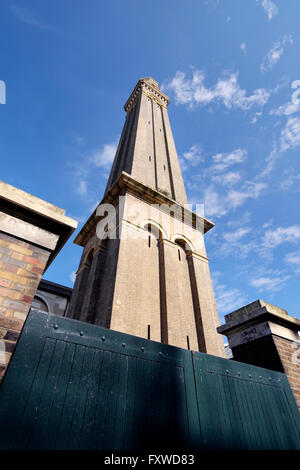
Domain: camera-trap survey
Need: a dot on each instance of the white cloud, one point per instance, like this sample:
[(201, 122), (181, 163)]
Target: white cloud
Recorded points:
[(227, 179), (219, 195), (224, 160), (250, 190), (192, 157), (82, 188), (269, 283), (26, 16), (270, 162), (106, 156), (290, 134), (293, 259), (286, 109), (218, 204), (193, 92), (73, 276), (254, 118), (243, 47), (288, 180), (274, 54), (270, 8), (214, 204), (227, 299), (236, 236), (273, 238)]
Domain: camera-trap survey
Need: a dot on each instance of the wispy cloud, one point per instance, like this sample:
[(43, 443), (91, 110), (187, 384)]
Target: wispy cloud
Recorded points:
[(272, 283), (191, 157), (227, 299), (90, 167), (274, 54), (218, 203), (270, 8), (236, 236), (223, 160), (26, 16), (105, 156), (81, 189), (243, 47), (220, 195), (290, 178), (193, 92), (293, 259), (286, 109), (290, 134), (227, 179), (280, 235)]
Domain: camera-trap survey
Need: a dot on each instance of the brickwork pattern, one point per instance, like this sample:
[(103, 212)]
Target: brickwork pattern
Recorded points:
[(275, 353), (289, 352), (21, 267)]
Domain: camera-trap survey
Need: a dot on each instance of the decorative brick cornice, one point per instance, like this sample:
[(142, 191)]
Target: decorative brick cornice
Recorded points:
[(149, 87)]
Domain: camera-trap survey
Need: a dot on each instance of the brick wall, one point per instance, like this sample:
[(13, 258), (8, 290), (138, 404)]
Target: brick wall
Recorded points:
[(289, 352), (21, 267), (261, 352), (275, 353)]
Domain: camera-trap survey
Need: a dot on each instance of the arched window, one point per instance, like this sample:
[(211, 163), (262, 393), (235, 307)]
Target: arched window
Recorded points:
[(89, 259), (40, 304)]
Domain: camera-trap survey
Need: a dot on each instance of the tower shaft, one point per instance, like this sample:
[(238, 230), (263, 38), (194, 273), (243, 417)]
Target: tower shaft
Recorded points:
[(146, 149), (147, 274)]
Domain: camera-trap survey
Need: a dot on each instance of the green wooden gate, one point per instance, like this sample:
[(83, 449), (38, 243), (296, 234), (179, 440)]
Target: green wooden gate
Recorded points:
[(72, 385)]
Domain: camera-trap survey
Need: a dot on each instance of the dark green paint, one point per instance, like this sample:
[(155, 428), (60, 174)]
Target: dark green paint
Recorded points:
[(79, 386)]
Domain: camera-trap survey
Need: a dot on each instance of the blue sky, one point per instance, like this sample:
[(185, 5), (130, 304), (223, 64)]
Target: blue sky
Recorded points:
[(228, 67)]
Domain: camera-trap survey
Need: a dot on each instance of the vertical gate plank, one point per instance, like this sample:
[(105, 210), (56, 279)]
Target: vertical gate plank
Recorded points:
[(82, 392), (49, 439), (48, 395), (129, 433), (119, 424), (73, 389), (111, 404), (103, 392), (89, 417), (32, 405)]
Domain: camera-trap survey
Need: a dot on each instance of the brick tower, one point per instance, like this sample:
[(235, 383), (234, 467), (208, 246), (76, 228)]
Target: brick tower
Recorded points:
[(147, 274)]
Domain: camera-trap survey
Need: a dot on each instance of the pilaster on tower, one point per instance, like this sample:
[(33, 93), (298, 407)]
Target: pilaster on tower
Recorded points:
[(146, 149)]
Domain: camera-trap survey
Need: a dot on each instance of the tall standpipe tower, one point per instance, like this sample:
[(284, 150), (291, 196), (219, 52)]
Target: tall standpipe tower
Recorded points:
[(144, 269)]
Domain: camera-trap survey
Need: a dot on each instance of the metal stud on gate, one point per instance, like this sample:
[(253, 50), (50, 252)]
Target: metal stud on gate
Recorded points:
[(55, 326)]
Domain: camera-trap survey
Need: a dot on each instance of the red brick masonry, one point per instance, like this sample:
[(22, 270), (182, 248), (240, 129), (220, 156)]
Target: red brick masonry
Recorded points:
[(21, 267)]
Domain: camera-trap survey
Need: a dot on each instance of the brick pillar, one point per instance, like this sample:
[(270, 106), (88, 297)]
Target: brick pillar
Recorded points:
[(266, 336), (21, 267), (32, 232)]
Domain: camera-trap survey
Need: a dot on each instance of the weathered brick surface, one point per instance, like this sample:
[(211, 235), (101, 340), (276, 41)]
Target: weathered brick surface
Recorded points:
[(21, 267), (289, 353), (275, 353)]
